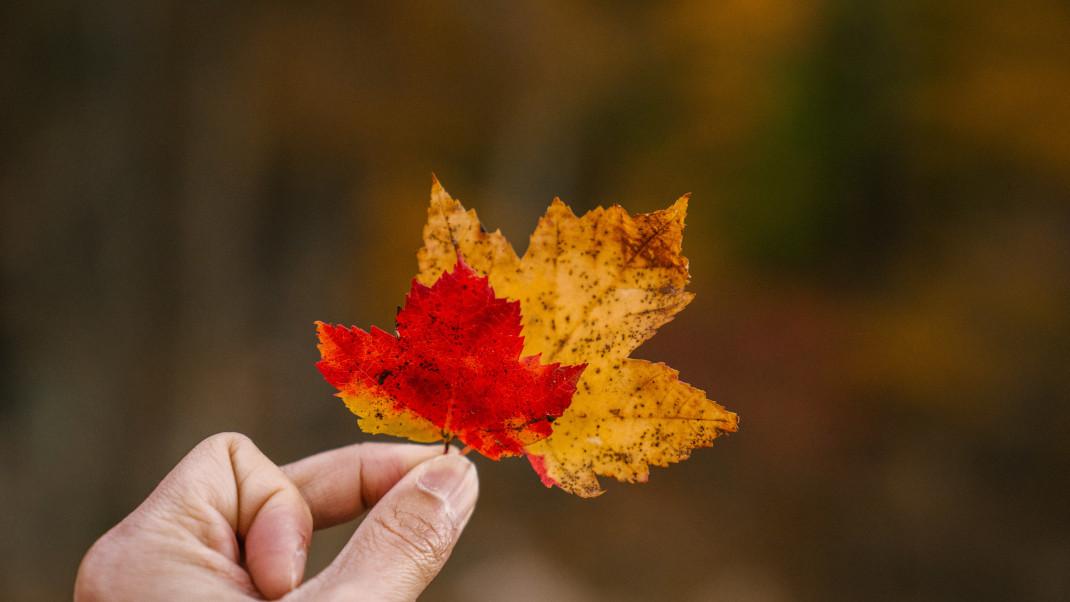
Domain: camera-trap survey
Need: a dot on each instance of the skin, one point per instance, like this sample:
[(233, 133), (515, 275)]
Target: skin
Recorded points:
[(228, 524)]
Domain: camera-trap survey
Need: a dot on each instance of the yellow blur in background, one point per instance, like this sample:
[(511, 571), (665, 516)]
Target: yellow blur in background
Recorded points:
[(878, 238)]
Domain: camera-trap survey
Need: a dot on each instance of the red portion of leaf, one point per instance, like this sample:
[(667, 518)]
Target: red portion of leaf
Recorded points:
[(455, 362), (539, 464)]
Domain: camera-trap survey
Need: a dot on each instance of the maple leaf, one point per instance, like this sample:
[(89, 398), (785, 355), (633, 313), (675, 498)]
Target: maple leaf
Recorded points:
[(453, 370), (592, 289)]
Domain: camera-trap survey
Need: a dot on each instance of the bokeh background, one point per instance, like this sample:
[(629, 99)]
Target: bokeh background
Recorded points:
[(878, 237)]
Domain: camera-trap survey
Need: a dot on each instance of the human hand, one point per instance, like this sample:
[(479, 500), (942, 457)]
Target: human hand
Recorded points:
[(228, 524)]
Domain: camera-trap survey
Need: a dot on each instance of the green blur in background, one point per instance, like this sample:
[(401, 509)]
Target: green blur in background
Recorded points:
[(878, 238)]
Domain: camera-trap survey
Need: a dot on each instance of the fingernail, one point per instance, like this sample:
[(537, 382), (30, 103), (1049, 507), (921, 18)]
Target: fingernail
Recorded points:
[(451, 478), (297, 567)]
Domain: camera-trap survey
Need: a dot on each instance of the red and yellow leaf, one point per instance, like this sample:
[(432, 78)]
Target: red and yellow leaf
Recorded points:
[(587, 292)]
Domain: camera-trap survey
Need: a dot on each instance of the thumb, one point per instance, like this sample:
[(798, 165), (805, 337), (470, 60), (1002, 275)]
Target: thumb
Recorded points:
[(407, 537)]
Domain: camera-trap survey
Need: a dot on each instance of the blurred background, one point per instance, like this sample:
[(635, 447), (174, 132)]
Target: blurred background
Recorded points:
[(878, 239)]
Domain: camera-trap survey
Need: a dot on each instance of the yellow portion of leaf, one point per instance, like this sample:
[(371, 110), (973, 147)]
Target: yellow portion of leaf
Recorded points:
[(449, 228), (592, 289), (624, 419), (598, 286), (380, 415)]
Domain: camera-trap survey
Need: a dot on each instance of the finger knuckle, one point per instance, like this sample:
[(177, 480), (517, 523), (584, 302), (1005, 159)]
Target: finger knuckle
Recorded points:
[(226, 440), (427, 542)]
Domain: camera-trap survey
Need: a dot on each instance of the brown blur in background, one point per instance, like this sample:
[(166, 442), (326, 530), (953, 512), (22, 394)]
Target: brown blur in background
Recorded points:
[(878, 238)]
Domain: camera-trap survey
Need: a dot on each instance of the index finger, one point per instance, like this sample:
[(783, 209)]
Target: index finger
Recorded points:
[(340, 484)]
